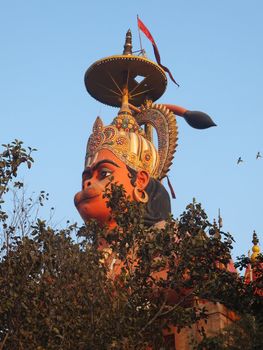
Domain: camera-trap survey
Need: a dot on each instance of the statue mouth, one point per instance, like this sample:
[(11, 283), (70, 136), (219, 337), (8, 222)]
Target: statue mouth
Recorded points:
[(84, 196)]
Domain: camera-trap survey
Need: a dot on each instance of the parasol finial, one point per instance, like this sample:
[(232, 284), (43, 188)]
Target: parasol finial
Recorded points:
[(128, 43)]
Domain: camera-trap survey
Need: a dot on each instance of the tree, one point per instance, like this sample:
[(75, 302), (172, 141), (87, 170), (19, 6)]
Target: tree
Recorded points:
[(60, 294)]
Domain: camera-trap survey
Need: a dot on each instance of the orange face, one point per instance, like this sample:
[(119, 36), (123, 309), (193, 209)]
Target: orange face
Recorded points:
[(95, 178)]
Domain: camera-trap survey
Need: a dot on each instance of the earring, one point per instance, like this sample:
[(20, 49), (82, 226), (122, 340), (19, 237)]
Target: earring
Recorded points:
[(140, 195)]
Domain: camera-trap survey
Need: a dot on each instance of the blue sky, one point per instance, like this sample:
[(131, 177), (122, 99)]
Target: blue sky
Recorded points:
[(214, 50)]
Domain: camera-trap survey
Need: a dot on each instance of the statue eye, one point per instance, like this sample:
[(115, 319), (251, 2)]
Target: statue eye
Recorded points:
[(87, 175), (104, 173)]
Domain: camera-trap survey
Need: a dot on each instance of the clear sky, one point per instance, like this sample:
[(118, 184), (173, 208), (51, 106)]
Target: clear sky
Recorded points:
[(214, 50)]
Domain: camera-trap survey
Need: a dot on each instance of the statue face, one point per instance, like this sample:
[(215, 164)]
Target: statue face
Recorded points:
[(95, 178)]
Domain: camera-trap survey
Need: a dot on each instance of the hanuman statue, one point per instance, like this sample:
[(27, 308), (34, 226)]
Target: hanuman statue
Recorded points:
[(125, 149)]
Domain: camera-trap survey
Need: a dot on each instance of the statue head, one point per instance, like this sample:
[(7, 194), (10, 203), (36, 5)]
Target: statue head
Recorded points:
[(122, 151)]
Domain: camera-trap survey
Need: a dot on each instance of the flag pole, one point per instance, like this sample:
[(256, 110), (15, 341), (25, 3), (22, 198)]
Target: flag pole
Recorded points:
[(140, 39)]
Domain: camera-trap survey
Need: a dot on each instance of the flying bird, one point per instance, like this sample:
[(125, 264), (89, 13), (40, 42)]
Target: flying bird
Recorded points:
[(258, 155), (240, 160)]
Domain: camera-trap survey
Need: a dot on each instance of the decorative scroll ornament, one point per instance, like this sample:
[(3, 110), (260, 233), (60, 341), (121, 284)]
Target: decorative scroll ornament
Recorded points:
[(164, 122)]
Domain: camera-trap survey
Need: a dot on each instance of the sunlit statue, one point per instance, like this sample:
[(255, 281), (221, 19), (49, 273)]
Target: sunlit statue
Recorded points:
[(128, 153), (125, 149), (121, 151)]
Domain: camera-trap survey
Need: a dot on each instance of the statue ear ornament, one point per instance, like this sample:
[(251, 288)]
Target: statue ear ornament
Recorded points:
[(140, 195)]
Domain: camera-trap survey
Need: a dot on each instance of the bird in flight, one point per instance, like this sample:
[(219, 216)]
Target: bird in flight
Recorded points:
[(258, 155), (240, 160)]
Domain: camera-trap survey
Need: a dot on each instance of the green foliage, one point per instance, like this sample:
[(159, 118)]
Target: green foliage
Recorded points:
[(57, 293), (246, 333), (52, 293), (11, 158), (23, 211)]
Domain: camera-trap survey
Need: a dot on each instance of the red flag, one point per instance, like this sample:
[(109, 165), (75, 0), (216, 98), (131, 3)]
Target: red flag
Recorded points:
[(146, 31)]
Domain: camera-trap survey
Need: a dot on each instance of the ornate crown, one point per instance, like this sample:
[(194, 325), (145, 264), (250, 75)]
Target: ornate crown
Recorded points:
[(126, 139)]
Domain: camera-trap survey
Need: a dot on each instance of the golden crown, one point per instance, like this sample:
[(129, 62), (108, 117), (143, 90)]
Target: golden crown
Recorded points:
[(126, 139)]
